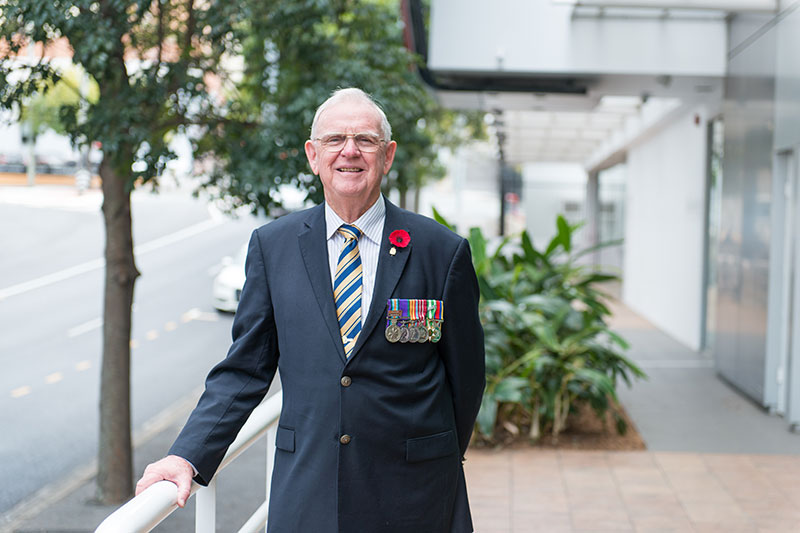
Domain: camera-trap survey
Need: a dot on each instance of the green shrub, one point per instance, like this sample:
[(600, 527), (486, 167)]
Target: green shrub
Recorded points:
[(548, 347)]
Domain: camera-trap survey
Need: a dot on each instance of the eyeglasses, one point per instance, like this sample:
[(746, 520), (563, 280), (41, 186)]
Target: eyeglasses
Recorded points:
[(365, 142)]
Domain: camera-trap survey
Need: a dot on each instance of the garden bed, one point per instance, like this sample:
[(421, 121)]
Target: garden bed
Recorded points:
[(584, 432)]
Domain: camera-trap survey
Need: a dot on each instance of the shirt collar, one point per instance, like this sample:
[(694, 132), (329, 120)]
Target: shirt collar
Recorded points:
[(370, 223)]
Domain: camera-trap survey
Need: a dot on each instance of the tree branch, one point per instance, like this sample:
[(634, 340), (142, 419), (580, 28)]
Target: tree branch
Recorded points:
[(190, 29), (160, 32)]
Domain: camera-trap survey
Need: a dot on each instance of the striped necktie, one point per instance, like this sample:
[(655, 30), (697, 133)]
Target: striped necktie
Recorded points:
[(347, 288)]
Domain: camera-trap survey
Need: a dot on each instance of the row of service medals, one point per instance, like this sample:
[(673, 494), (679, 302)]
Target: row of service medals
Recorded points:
[(411, 320)]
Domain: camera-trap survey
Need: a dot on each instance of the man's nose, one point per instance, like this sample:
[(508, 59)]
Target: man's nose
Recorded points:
[(350, 148)]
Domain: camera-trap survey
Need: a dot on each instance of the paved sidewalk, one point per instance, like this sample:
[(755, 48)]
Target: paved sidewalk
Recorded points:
[(684, 406), (525, 491)]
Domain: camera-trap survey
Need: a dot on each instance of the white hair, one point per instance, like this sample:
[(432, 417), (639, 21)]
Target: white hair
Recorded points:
[(352, 94)]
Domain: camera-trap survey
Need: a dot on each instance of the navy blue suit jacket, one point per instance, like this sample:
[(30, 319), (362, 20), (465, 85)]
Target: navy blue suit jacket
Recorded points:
[(409, 408)]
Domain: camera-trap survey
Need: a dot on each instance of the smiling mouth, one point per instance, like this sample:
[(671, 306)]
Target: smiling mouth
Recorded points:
[(350, 169)]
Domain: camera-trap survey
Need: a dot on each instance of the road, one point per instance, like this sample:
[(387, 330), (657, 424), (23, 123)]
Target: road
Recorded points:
[(51, 287)]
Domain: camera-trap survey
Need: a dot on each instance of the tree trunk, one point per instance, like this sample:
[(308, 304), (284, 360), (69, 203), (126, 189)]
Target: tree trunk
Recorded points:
[(535, 431), (561, 411), (403, 195), (115, 457), (556, 416)]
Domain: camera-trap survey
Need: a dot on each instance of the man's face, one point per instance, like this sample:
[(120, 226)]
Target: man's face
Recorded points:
[(350, 175)]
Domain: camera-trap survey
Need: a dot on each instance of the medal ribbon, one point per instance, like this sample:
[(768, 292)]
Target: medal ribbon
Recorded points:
[(416, 310), (435, 310)]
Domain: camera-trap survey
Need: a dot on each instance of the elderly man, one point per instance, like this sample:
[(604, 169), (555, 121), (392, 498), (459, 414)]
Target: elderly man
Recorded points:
[(370, 314)]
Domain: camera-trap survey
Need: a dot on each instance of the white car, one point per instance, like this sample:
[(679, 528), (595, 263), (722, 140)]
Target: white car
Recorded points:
[(228, 283)]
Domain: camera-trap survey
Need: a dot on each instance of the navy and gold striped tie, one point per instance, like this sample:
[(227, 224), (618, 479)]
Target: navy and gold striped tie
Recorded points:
[(347, 288)]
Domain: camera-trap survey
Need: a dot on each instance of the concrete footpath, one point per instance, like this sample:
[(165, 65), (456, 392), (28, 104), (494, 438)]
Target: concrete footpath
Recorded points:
[(715, 462)]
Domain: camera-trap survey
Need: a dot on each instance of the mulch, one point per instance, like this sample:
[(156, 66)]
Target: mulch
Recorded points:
[(585, 431)]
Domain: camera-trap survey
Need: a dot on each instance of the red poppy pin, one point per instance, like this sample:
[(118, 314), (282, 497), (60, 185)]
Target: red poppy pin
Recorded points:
[(399, 238)]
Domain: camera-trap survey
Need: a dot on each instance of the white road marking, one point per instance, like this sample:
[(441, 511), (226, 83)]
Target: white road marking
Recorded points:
[(49, 279), (85, 327), (19, 392), (179, 235), (55, 377), (190, 315), (83, 365), (206, 317), (95, 264)]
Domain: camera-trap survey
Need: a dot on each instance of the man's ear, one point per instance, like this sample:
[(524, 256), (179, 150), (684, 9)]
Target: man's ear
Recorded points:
[(311, 154), (391, 148)]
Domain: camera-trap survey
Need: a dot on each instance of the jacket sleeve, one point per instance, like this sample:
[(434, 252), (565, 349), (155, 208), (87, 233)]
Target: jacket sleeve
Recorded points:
[(461, 345), (236, 385)]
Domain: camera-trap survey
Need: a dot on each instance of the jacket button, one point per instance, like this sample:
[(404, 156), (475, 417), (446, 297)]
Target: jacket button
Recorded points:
[(344, 439), (346, 381)]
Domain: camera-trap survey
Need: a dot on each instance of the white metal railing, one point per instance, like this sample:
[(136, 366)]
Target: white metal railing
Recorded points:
[(148, 509)]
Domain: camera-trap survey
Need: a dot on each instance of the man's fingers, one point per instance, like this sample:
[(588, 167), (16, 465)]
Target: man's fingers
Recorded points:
[(184, 485), (148, 478), (171, 468), (184, 489)]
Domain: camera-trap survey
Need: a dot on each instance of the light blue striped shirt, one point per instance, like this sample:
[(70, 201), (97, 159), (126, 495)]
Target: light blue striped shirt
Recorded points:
[(371, 225)]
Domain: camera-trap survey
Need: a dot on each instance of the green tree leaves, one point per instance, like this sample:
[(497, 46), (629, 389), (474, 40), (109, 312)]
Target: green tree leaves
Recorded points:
[(295, 55)]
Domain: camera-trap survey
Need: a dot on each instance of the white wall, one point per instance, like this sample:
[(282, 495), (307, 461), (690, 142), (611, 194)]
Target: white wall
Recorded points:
[(543, 36), (50, 145), (11, 135), (664, 227), (549, 190), (468, 196)]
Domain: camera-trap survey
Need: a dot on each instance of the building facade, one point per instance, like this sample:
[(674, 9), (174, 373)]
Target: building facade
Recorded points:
[(683, 116)]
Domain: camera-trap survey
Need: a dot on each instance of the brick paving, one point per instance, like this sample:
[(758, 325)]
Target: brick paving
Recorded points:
[(532, 490)]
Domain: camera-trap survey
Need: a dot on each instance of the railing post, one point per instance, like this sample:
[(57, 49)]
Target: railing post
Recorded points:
[(272, 433), (205, 516)]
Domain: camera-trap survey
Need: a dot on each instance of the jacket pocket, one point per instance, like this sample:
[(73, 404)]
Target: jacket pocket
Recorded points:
[(431, 447), (284, 439)]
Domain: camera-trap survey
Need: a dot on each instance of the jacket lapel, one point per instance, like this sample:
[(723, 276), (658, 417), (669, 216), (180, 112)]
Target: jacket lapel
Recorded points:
[(390, 268), (314, 249)]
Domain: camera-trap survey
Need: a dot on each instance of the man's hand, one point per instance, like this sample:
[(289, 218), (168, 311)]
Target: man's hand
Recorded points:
[(170, 468)]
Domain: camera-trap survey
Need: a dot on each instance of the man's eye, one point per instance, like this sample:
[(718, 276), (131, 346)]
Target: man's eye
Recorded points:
[(366, 140), (333, 139)]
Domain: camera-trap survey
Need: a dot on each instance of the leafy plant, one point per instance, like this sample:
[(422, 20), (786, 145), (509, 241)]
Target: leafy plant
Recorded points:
[(548, 346)]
